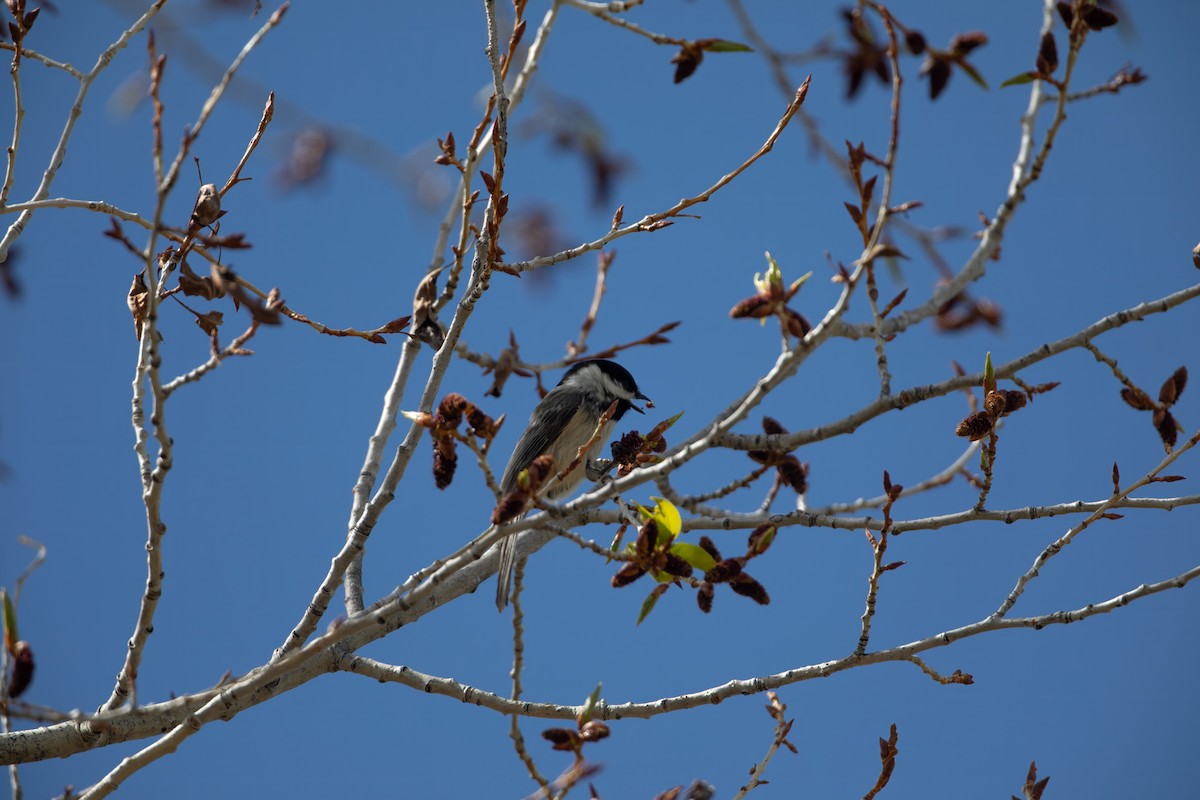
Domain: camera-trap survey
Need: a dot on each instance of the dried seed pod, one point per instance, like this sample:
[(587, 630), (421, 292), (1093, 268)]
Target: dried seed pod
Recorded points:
[(704, 597), (710, 547)]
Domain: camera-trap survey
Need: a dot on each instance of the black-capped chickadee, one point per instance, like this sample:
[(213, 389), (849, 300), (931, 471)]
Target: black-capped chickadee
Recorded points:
[(561, 424)]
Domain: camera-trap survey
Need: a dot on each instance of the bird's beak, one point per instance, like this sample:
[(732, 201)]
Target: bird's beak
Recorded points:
[(640, 396)]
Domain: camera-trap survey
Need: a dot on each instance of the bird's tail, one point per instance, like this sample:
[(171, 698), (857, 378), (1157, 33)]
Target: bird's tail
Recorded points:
[(508, 555)]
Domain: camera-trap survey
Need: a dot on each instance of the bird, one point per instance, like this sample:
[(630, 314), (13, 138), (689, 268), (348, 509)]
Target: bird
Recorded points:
[(562, 422)]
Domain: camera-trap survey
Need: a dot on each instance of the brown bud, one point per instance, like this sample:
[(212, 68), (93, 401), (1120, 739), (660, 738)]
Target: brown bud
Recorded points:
[(1168, 429), (445, 461), (1173, 387), (915, 41), (450, 410), (724, 571), (793, 473), (1196, 256), (594, 730), (627, 574), (562, 738), (1047, 57), (537, 473), (1098, 18), (994, 403), (674, 565), (748, 587), (509, 507), (647, 538), (1014, 400), (939, 76), (975, 427), (964, 43), (22, 669), (797, 324), (704, 597), (710, 547), (1136, 398), (761, 537), (771, 426), (754, 307), (1066, 12), (686, 61)]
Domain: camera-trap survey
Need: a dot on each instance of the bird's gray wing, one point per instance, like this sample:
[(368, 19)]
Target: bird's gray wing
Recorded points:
[(546, 424)]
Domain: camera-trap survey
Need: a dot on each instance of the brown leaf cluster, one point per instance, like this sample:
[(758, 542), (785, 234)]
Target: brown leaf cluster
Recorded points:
[(939, 64), (773, 302), (634, 450), (651, 554), (996, 404), (731, 571), (1164, 422), (788, 469), (573, 740), (443, 429)]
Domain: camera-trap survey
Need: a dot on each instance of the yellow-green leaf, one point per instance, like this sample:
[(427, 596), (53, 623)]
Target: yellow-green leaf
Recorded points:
[(589, 705), (695, 555)]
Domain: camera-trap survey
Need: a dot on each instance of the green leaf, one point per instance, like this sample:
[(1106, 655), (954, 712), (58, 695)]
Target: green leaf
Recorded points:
[(1018, 80), (695, 555), (647, 606), (589, 705), (10, 621), (971, 71), (726, 46), (989, 374)]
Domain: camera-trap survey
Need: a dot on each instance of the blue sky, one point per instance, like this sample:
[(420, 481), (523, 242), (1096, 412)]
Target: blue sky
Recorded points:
[(268, 447)]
